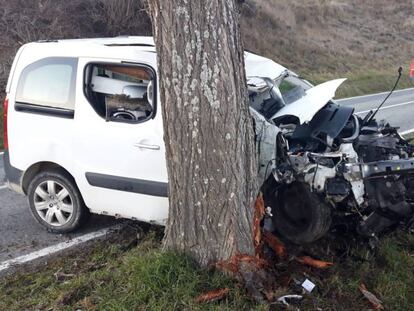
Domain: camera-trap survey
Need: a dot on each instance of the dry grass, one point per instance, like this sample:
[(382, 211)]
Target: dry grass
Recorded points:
[(26, 21), (365, 41)]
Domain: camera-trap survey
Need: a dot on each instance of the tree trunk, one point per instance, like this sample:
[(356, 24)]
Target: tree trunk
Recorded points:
[(208, 131)]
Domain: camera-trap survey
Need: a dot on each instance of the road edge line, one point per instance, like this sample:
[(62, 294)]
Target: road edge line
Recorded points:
[(387, 107), (50, 250), (374, 94), (407, 132)]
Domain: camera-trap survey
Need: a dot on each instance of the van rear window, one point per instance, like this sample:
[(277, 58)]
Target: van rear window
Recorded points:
[(49, 82)]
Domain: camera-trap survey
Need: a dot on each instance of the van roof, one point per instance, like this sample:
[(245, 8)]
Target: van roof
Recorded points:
[(133, 48), (135, 41), (125, 48)]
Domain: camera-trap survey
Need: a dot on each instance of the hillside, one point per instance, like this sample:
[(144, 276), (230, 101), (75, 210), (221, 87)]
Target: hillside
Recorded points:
[(318, 38), (364, 41)]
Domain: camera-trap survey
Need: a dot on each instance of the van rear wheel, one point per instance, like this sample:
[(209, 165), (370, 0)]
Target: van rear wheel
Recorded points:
[(55, 202)]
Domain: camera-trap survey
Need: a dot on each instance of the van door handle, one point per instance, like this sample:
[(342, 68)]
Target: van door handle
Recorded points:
[(147, 146)]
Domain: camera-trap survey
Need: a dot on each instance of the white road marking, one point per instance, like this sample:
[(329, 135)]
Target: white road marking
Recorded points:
[(387, 107), (370, 95), (3, 187), (54, 249), (407, 132), (1, 153)]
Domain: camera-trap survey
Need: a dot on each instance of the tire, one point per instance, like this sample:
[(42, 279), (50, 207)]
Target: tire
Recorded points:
[(300, 215), (55, 202)]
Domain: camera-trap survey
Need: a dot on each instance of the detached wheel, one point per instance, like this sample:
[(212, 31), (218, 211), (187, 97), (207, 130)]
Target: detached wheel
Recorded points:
[(55, 202), (299, 214)]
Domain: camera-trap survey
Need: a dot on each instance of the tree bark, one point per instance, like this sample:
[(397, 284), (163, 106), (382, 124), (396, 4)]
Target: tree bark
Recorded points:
[(208, 131)]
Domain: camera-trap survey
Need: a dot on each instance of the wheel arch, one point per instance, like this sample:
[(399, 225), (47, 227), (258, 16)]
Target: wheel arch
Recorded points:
[(36, 168)]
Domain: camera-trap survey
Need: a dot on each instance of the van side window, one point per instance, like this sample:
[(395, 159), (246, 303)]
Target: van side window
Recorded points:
[(49, 83), (121, 93)]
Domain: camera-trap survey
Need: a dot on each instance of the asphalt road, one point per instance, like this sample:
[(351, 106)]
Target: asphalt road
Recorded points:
[(20, 234), (398, 110)]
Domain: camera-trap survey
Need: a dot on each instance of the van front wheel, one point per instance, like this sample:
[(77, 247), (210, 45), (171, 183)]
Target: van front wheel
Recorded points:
[(55, 202)]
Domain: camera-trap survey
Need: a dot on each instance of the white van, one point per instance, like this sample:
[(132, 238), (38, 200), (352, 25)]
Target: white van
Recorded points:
[(84, 131), (83, 127)]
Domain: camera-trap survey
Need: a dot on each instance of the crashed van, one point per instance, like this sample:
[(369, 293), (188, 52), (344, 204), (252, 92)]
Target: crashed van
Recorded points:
[(83, 134), (322, 166)]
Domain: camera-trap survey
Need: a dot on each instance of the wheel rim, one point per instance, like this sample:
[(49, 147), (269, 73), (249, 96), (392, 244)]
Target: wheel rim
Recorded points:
[(53, 203)]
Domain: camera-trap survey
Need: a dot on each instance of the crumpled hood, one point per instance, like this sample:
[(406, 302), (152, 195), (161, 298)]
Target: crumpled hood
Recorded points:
[(259, 66), (315, 99)]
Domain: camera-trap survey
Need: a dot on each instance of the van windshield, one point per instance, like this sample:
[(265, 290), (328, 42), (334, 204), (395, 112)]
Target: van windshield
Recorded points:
[(292, 87)]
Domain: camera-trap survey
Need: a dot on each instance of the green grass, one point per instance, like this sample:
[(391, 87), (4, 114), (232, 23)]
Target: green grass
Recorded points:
[(363, 82), (388, 273), (112, 276)]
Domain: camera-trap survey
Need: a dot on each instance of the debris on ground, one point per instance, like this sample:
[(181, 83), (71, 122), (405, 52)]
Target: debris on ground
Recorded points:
[(284, 299), (213, 295), (60, 276), (309, 261), (308, 285), (374, 301)]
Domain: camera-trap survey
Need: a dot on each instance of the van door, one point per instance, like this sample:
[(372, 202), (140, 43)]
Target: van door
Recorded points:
[(119, 147)]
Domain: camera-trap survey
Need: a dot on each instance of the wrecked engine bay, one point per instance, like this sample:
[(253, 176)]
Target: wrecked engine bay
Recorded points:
[(323, 167)]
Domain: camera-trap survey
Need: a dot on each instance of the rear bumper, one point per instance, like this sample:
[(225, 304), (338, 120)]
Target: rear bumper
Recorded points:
[(13, 176)]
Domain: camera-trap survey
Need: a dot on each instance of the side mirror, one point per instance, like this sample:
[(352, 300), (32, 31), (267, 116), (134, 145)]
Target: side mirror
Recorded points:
[(274, 91)]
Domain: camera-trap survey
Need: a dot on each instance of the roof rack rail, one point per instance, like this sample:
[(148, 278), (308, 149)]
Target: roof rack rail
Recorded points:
[(47, 41), (131, 44)]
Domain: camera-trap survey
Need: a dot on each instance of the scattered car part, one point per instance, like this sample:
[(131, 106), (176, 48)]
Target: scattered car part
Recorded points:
[(308, 285), (284, 299), (309, 261), (213, 295), (375, 302)]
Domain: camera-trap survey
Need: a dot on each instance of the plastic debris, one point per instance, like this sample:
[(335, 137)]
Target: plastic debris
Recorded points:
[(309, 261), (308, 285), (375, 302), (283, 298), (213, 295), (60, 276)]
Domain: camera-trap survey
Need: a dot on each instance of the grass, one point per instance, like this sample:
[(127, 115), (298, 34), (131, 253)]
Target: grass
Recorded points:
[(387, 272), (363, 82), (113, 276)]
